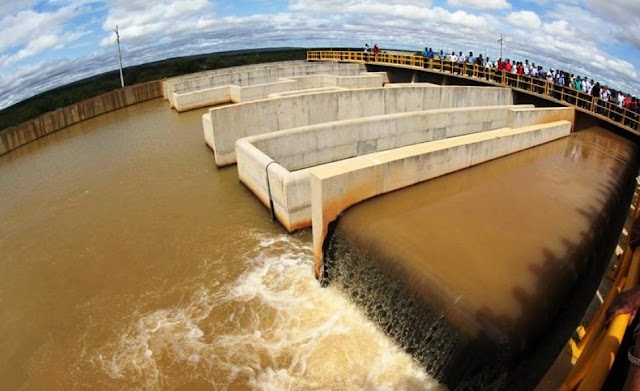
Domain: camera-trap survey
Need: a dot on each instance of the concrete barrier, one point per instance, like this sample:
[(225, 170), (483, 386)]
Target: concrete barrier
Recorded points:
[(228, 124), (237, 94), (291, 153), (16, 136), (255, 74), (336, 186), (523, 117), (305, 91)]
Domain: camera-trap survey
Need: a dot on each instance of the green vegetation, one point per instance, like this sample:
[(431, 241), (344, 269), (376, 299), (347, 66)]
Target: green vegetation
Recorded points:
[(96, 85)]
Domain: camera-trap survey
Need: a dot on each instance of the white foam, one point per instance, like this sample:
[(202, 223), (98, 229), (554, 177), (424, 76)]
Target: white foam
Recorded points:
[(273, 328)]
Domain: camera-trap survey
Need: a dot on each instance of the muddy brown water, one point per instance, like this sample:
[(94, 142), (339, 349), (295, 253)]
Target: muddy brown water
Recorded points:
[(128, 261), (497, 249)]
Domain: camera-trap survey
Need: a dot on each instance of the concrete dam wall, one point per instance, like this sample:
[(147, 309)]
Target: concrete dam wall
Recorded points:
[(223, 126), (48, 123), (472, 272)]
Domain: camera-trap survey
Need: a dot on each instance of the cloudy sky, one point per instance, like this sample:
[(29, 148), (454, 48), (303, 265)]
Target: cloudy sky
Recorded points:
[(53, 42)]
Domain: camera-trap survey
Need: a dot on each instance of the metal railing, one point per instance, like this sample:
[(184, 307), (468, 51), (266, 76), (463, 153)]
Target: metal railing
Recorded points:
[(626, 119)]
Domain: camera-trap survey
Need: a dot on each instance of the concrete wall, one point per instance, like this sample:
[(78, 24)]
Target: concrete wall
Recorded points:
[(255, 74), (236, 94), (336, 186), (227, 94), (16, 136), (229, 123), (304, 91), (297, 150), (518, 118)]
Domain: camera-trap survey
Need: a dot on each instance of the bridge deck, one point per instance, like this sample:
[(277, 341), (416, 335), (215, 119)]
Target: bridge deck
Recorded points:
[(601, 109)]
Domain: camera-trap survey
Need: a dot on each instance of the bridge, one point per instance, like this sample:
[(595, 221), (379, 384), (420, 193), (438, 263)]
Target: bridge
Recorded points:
[(473, 73)]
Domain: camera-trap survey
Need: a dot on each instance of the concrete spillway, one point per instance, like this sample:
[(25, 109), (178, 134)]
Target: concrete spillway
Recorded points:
[(472, 272)]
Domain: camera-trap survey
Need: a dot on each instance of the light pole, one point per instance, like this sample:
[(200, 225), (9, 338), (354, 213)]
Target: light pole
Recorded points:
[(119, 55), (501, 42)]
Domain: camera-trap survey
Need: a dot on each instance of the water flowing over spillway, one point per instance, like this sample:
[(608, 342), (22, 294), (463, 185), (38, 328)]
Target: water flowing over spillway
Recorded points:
[(472, 272), (129, 262)]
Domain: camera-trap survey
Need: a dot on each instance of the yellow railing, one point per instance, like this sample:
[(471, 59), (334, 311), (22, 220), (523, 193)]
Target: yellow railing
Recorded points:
[(627, 119)]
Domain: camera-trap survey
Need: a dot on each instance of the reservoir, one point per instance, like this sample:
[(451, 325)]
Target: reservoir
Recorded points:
[(129, 261)]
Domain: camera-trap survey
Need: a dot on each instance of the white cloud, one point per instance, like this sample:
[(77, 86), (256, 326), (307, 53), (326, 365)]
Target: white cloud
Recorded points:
[(21, 28), (411, 9), (138, 20), (159, 29), (480, 4), (39, 44), (13, 7), (617, 10), (620, 16), (524, 19), (560, 30)]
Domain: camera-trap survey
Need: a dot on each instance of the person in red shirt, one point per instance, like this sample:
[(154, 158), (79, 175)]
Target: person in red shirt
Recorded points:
[(520, 69), (507, 66), (500, 65)]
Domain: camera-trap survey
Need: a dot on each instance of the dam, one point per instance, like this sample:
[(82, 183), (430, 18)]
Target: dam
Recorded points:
[(131, 261)]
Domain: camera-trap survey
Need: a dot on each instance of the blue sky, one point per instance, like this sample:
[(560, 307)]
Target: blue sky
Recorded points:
[(48, 43)]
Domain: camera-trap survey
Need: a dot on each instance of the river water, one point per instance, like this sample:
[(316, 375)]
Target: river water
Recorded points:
[(129, 261)]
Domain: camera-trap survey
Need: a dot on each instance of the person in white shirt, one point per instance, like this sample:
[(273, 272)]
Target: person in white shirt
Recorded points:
[(461, 57), (550, 76), (488, 63), (587, 85)]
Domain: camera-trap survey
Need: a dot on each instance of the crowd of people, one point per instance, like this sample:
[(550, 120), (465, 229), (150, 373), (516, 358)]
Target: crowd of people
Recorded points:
[(556, 77), (578, 90)]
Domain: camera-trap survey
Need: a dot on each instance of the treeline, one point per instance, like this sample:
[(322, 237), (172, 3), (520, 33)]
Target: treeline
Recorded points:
[(96, 85)]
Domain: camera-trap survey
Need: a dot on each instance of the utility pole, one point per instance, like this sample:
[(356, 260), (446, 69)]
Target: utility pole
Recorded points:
[(501, 42), (119, 55)]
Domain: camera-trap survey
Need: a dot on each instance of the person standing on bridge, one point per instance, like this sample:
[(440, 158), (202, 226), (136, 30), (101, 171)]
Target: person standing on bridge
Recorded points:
[(595, 93)]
